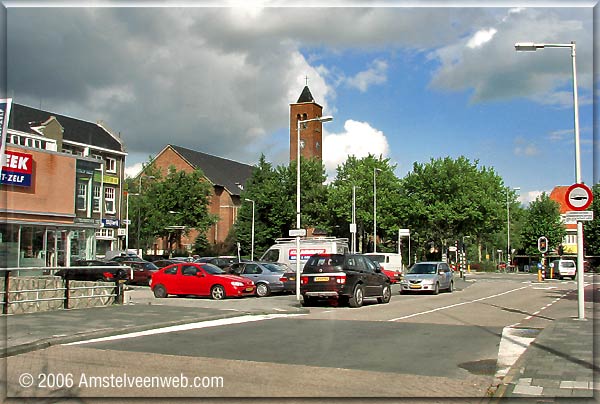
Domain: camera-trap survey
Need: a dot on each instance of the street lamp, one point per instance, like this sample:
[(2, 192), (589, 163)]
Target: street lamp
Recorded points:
[(531, 46), (252, 252), (317, 119), (375, 171), (127, 221), (140, 210), (508, 226)]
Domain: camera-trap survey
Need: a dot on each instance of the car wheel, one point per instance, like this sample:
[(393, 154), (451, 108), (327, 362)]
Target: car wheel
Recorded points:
[(387, 295), (307, 301), (436, 289), (357, 296), (262, 290), (160, 291), (451, 287), (217, 292)]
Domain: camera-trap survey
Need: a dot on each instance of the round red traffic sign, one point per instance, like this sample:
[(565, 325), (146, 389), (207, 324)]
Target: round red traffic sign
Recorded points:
[(579, 197)]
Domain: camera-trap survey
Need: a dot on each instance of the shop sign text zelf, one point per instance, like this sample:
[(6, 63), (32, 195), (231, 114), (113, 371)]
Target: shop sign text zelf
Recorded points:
[(17, 169)]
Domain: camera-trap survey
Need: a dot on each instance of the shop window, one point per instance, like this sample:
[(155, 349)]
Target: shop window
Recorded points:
[(97, 198), (109, 200), (32, 252), (111, 165)]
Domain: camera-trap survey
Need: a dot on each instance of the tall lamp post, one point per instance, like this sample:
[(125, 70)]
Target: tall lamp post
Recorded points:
[(140, 210), (508, 258), (252, 252), (531, 46), (375, 171), (318, 119)]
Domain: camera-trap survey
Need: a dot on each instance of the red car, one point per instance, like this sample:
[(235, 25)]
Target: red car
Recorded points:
[(200, 279)]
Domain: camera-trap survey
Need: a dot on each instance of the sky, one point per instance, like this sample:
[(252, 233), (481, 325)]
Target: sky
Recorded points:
[(406, 81)]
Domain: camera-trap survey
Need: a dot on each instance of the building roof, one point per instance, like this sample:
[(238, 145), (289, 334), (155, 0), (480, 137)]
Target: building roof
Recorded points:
[(306, 96), (221, 172), (558, 195), (23, 119)]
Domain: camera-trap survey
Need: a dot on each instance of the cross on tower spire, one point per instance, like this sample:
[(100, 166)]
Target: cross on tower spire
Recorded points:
[(306, 79)]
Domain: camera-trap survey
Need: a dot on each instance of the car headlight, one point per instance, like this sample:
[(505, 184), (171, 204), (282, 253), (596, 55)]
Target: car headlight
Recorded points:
[(239, 284)]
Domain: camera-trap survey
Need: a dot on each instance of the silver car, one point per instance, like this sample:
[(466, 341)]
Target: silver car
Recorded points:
[(267, 276), (428, 277)]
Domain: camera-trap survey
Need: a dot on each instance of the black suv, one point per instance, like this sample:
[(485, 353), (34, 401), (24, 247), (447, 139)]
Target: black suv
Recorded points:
[(350, 278)]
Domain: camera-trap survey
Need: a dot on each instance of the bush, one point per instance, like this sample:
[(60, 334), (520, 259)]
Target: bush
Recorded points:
[(485, 266)]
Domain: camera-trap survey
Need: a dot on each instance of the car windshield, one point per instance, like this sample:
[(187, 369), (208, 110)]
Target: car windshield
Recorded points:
[(212, 269), (568, 264), (423, 269), (274, 268), (150, 266)]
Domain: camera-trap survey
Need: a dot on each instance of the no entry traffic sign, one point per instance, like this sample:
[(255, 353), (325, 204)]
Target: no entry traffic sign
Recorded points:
[(578, 197)]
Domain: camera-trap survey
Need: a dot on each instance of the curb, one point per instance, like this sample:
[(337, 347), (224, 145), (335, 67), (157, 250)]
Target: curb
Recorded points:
[(67, 339)]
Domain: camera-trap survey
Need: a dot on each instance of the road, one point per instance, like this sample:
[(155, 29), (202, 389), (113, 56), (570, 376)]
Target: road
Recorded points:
[(453, 345)]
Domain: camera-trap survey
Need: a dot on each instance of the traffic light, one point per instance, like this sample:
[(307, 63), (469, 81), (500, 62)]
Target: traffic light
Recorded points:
[(543, 244)]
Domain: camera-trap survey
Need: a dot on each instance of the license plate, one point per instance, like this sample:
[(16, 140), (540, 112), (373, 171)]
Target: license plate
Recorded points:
[(415, 286), (321, 278), (249, 289)]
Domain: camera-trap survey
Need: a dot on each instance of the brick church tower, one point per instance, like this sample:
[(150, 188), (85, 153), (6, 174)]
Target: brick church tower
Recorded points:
[(311, 133)]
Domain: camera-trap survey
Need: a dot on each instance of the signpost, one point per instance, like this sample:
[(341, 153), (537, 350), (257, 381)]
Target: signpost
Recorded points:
[(579, 197)]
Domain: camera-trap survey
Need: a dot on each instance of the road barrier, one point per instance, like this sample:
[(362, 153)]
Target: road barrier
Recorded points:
[(23, 293)]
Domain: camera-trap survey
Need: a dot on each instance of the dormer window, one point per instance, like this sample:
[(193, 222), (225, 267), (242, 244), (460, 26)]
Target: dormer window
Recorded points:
[(111, 165)]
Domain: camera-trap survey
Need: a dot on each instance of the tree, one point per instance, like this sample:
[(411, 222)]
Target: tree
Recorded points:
[(171, 205), (446, 199), (359, 173), (591, 230), (542, 219), (274, 192)]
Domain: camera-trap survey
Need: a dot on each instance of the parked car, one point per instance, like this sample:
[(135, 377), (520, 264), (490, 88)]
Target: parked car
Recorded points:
[(561, 269), (221, 262), (165, 262), (284, 249), (129, 257), (200, 279), (391, 264), (428, 277), (268, 277), (141, 271), (392, 275), (94, 270), (349, 278)]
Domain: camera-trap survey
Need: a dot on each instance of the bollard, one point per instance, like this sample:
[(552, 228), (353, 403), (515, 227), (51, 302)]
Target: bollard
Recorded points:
[(539, 275)]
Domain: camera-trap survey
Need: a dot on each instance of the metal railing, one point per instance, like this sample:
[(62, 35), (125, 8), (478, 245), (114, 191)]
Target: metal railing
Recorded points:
[(67, 292)]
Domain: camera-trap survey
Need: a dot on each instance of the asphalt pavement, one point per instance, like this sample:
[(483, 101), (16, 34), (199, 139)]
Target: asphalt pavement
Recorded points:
[(560, 364)]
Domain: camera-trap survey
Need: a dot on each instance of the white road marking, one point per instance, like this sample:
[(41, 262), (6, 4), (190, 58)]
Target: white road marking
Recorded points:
[(187, 327), (457, 304), (511, 347)]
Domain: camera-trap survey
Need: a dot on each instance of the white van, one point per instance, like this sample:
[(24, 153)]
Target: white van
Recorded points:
[(284, 249), (388, 261), (564, 268)]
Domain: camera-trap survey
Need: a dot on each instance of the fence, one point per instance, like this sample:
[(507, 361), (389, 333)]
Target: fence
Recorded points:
[(38, 292)]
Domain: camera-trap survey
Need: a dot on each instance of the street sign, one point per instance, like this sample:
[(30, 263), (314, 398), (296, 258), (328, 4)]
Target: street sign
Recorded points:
[(297, 232), (403, 232), (579, 216), (452, 248), (126, 221), (352, 227), (579, 197)]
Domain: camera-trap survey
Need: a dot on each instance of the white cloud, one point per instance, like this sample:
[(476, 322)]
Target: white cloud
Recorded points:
[(481, 37), (530, 196), (133, 170), (359, 139), (375, 74), (525, 148)]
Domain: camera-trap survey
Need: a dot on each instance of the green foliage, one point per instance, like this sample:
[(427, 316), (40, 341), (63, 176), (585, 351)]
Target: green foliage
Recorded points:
[(360, 173), (446, 199), (166, 200), (591, 230), (542, 219)]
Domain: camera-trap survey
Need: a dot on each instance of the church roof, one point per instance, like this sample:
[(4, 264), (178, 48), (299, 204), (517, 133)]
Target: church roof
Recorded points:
[(219, 171), (306, 96)]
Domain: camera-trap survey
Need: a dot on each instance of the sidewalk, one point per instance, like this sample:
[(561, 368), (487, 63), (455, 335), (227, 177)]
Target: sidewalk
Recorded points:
[(30, 332), (560, 363)]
